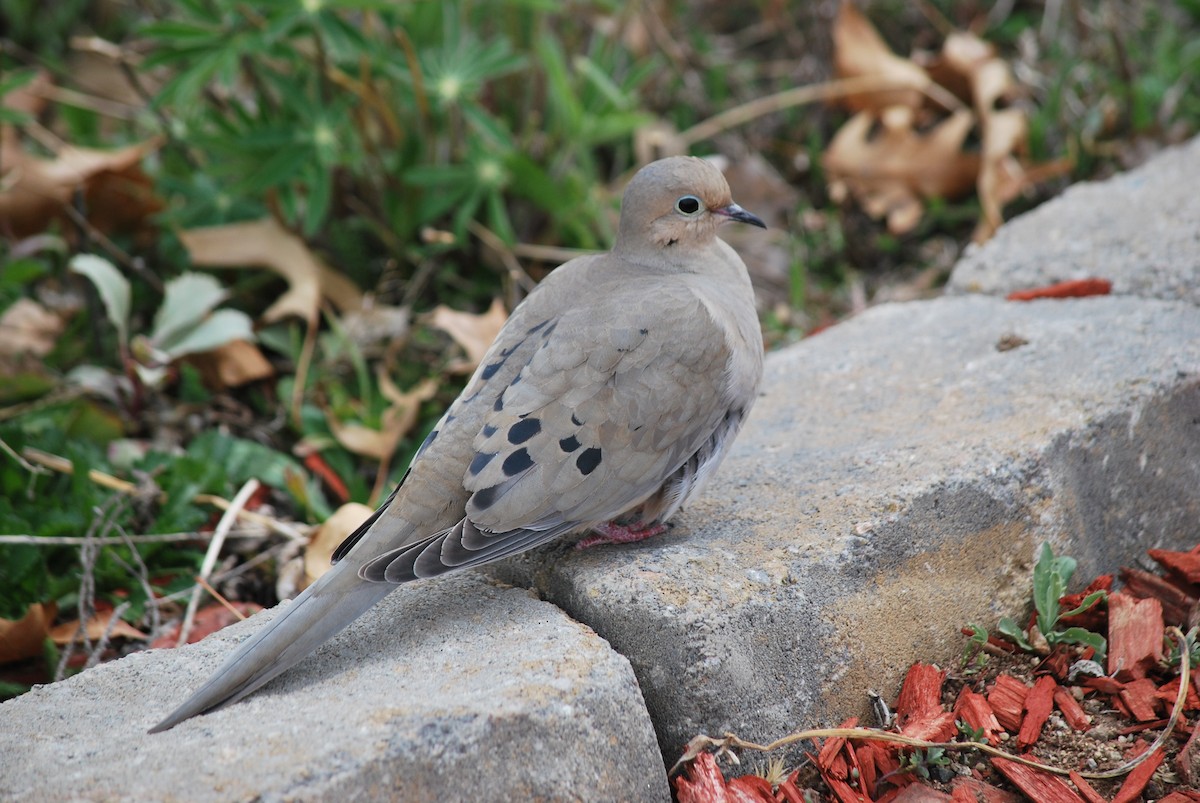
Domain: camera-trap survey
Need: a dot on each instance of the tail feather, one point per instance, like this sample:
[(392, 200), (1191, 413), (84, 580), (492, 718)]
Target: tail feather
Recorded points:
[(321, 611)]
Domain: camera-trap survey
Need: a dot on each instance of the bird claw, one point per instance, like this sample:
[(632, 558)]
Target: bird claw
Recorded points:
[(611, 533)]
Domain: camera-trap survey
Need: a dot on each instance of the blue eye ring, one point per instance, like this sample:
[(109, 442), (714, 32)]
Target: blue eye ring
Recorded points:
[(689, 205)]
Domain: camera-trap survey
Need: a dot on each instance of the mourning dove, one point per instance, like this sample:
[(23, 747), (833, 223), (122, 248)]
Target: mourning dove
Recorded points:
[(609, 397)]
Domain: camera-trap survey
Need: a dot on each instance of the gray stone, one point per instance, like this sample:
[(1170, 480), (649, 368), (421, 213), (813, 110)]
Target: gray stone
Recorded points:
[(450, 690), (1140, 230), (893, 484)]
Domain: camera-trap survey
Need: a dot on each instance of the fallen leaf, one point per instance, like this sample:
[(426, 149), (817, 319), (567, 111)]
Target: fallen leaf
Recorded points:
[(96, 627), (24, 637), (209, 619), (265, 243), (232, 365), (380, 444), (891, 172), (474, 333), (35, 189), (28, 328), (859, 51), (329, 536)]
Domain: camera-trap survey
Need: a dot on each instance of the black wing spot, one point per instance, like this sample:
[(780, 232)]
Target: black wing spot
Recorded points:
[(549, 330), (569, 444), (524, 429), (533, 329), (490, 370), (499, 405), (488, 430), (480, 462), (576, 421), (484, 497), (588, 460), (517, 462), (644, 331), (430, 438)]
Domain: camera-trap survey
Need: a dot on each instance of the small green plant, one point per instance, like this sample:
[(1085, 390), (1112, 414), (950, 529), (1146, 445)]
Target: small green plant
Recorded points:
[(1050, 578), (1192, 638), (924, 762), (974, 658), (969, 733)]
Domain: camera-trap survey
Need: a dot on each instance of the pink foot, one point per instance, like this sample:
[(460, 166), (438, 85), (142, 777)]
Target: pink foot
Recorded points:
[(610, 533)]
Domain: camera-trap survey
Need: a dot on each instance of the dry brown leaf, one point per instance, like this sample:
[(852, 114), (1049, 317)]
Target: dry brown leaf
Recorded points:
[(24, 637), (66, 632), (859, 51), (266, 244), (28, 328), (397, 420), (329, 536), (474, 333), (34, 190), (892, 172), (232, 365)]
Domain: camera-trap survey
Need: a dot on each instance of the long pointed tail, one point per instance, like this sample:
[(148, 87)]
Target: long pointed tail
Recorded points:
[(325, 607)]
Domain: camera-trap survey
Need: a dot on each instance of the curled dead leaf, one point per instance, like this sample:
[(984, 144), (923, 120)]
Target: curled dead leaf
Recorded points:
[(24, 637), (859, 51), (33, 191), (232, 365), (397, 420), (317, 555), (265, 243), (891, 171), (102, 622), (474, 333), (28, 328)]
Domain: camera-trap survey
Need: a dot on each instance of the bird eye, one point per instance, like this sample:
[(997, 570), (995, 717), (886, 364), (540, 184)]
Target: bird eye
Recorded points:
[(688, 205)]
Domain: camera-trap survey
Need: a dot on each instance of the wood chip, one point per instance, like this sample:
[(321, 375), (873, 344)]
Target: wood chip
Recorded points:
[(1135, 642), (1141, 696), (1183, 564), (1177, 603), (1007, 699), (971, 790), (1037, 785), (1089, 793), (1136, 781), (1038, 705), (974, 710), (1071, 710), (921, 694)]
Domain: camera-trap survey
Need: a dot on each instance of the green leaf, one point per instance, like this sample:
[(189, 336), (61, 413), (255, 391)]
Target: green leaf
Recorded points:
[(1078, 635), (1009, 629), (112, 286), (223, 326), (187, 299), (1088, 601)]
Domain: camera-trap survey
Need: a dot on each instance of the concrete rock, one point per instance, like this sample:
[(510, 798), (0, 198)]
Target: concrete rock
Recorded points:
[(1138, 229), (452, 690), (892, 485)]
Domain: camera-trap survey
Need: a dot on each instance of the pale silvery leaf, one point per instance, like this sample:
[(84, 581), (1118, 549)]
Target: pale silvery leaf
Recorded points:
[(223, 326), (186, 301), (112, 287)]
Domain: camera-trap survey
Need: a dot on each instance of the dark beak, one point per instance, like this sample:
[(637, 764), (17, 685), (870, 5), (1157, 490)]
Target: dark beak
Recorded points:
[(735, 212)]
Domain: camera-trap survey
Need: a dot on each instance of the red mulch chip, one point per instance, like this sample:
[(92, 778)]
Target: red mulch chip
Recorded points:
[(1038, 705), (1037, 785), (1085, 788), (1135, 628), (974, 710), (1007, 699), (1071, 710), (1075, 288), (1136, 781)]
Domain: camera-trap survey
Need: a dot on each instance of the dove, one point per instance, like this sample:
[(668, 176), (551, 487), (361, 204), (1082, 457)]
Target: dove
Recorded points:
[(607, 400)]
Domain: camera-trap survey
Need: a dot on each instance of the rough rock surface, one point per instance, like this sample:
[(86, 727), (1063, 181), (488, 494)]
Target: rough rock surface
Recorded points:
[(456, 690), (892, 484), (1139, 230)]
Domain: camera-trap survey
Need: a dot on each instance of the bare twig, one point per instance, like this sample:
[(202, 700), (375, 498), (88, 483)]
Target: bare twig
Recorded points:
[(214, 550), (153, 538), (516, 273), (801, 95), (25, 464)]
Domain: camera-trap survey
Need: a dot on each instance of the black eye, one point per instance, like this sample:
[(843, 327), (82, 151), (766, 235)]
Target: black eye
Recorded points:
[(688, 205)]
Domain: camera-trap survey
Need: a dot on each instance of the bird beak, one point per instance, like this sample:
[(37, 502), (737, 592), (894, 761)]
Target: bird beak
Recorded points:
[(735, 212)]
